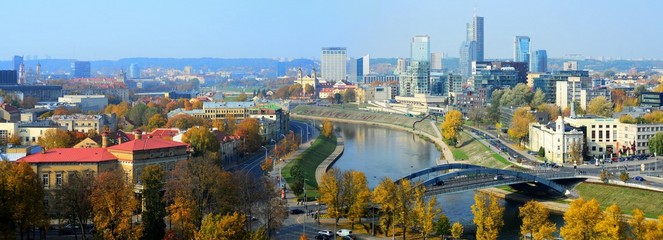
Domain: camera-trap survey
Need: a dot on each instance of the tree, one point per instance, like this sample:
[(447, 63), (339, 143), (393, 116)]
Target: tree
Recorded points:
[(538, 99), (14, 139), (551, 109), (495, 103), (309, 89), (442, 225), (600, 106), (542, 152), (24, 198), (337, 98), (604, 176), (384, 195), (73, 199), (624, 176), (519, 95), (487, 216), (654, 229), (113, 205), (357, 195), (155, 207), (627, 119), (451, 126), (61, 111), (248, 129), (580, 219), (349, 95), (197, 105), (656, 144), (478, 115), (655, 116), (612, 226), (575, 152), (156, 121), (425, 213), (331, 193), (55, 138), (242, 97), (295, 90), (519, 130), (535, 221), (456, 230), (228, 227), (658, 88), (638, 224), (404, 205), (202, 140), (327, 128)]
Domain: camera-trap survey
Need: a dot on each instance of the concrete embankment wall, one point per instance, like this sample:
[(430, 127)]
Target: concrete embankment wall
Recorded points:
[(331, 159)]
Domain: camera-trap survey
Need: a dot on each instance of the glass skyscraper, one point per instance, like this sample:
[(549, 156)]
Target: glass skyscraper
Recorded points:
[(539, 61), (81, 69), (333, 63), (521, 49), (475, 33), (420, 49)]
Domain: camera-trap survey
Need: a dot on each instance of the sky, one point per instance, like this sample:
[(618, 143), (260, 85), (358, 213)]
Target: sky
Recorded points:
[(109, 30)]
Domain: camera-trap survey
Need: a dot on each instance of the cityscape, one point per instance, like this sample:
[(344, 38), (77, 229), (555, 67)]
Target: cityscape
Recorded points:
[(343, 120)]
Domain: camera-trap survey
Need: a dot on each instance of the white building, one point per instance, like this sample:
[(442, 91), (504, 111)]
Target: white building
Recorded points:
[(634, 138), (333, 63), (29, 133), (601, 133), (555, 138), (86, 102), (578, 89), (436, 61)]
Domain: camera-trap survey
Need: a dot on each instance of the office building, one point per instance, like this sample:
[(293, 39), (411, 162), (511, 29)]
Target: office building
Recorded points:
[(81, 69), (401, 66), (87, 102), (539, 61), (134, 71), (571, 66), (420, 48), (475, 33), (521, 68), (333, 63), (467, 56), (8, 77), (359, 68), (18, 61), (521, 49), (651, 99), (436, 61), (415, 79), (578, 89)]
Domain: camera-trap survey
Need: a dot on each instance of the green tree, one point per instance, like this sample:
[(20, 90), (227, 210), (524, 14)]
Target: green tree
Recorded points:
[(535, 221), (451, 126), (656, 144), (456, 230), (495, 103), (580, 219), (538, 99), (488, 216), (202, 140), (600, 106), (155, 206), (443, 225), (520, 95), (73, 199), (624, 176)]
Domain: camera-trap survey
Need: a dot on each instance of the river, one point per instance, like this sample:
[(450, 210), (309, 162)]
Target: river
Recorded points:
[(383, 152)]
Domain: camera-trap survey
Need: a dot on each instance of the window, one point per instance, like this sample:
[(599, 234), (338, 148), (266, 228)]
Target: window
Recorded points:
[(593, 148), (614, 126), (600, 149), (607, 134), (58, 179), (593, 135), (44, 179)]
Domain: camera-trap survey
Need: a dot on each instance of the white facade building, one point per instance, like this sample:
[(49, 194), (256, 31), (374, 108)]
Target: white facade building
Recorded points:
[(333, 63), (636, 136), (86, 102), (555, 138)]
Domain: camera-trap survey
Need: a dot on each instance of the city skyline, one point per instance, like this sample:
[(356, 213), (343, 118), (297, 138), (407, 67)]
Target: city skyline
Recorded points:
[(296, 29)]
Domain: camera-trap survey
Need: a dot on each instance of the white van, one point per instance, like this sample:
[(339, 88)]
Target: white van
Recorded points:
[(343, 232)]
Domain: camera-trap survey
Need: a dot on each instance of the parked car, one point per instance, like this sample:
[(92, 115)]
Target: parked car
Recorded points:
[(325, 232), (639, 179), (349, 237), (343, 232), (296, 211)]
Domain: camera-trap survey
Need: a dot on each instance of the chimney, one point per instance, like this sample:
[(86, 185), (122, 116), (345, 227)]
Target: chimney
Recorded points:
[(119, 140), (137, 134), (104, 139)]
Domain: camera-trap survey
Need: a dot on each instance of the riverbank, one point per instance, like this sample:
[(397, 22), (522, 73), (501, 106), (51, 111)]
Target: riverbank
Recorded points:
[(423, 129), (331, 159), (322, 150)]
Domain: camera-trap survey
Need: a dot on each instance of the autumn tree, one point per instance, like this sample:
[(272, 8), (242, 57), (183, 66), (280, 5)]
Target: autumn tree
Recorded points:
[(580, 219), (451, 126), (267, 205), (535, 221), (61, 111), (404, 205), (538, 99), (14, 139), (627, 119), (349, 95), (426, 212), (202, 140), (242, 97), (600, 106), (356, 194), (384, 195), (73, 199), (519, 129), (152, 178), (223, 227), (456, 230), (575, 152), (551, 109), (327, 128), (22, 199), (113, 205), (248, 129), (654, 229), (488, 216), (184, 121), (55, 138), (308, 88), (156, 121), (331, 194), (655, 116), (612, 225), (638, 224)]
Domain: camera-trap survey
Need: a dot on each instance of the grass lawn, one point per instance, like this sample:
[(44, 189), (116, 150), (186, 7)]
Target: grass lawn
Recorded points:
[(474, 152), (309, 160), (626, 198)]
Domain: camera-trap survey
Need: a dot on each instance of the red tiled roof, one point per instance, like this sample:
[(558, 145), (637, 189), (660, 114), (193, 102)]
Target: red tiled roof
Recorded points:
[(164, 132), (70, 155), (146, 143)]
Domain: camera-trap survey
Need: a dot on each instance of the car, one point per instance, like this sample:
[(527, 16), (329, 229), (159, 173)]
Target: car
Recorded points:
[(639, 179), (438, 183), (343, 232), (296, 211), (498, 177), (323, 237), (325, 232), (350, 237)]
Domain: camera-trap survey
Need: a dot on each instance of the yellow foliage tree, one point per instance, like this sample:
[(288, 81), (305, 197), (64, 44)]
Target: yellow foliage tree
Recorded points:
[(488, 216), (453, 120), (654, 229), (385, 196), (654, 117), (456, 230), (600, 106), (522, 117), (228, 227), (612, 225), (330, 193), (359, 195), (580, 219), (535, 221), (55, 138), (113, 205), (425, 212), (638, 224), (327, 128)]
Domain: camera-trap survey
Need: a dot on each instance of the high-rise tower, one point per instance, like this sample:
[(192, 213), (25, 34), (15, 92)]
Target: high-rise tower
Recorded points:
[(18, 60), (539, 61), (475, 33), (420, 48), (21, 74), (333, 63), (38, 72), (521, 49)]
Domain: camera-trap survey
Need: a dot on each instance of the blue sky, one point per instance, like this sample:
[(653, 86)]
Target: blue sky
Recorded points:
[(94, 30)]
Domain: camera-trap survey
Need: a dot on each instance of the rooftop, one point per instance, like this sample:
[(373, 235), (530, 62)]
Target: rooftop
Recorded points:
[(70, 155), (147, 143), (228, 104)]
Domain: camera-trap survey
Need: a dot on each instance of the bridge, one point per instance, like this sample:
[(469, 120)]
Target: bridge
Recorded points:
[(459, 177)]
